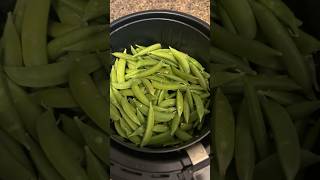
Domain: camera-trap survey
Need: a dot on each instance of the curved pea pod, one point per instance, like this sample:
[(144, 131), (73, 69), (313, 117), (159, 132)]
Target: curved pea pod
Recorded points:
[(224, 128), (179, 103), (167, 86), (150, 71), (149, 86), (95, 169), (66, 14), (284, 98), (165, 55), (16, 151), (244, 145), (55, 97), (161, 138), (184, 75), (114, 113), (199, 105), (119, 129), (242, 17), (71, 129), (240, 46), (311, 136), (121, 66), (257, 123), (93, 43), (138, 132), (52, 143), (76, 5), (306, 43), (148, 49), (10, 167), (96, 140), (221, 78), (12, 44), (56, 46), (129, 111), (285, 135), (139, 94), (95, 8), (182, 58), (168, 103), (57, 29), (160, 128), (175, 124), (268, 62), (281, 40), (125, 85), (183, 135), (225, 18), (34, 37), (125, 56), (303, 109), (83, 89), (186, 109), (132, 125), (18, 14), (149, 126), (200, 77)]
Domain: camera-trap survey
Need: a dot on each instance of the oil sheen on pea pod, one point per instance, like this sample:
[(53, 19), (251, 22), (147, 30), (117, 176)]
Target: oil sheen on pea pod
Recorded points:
[(34, 35), (54, 146), (279, 38), (242, 17), (285, 136), (95, 169), (224, 131)]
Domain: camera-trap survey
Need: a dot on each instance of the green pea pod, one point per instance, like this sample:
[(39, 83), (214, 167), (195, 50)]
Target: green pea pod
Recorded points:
[(114, 113), (11, 43), (175, 124), (286, 138), (168, 103), (119, 129), (225, 18), (167, 86), (138, 132), (149, 126), (139, 94), (179, 103), (149, 86), (256, 119), (76, 5), (55, 148), (97, 141), (186, 109), (199, 105), (146, 62), (185, 126), (224, 128), (18, 13), (97, 42), (126, 107), (244, 145), (182, 135), (83, 89), (56, 98), (240, 46), (140, 116), (95, 169), (71, 129), (184, 75), (66, 14), (135, 140), (148, 49), (306, 43), (133, 50), (34, 37), (57, 29), (56, 46), (200, 77), (303, 109), (221, 78), (125, 56), (132, 125), (10, 166), (268, 62), (126, 84), (284, 98), (281, 40), (161, 139), (182, 58), (95, 8), (165, 55), (160, 128), (150, 71), (311, 137)]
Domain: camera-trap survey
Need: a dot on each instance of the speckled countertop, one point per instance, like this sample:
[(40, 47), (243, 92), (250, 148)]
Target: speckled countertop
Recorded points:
[(197, 8)]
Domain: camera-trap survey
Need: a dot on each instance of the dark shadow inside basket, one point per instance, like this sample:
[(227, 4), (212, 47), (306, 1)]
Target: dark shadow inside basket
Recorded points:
[(181, 31)]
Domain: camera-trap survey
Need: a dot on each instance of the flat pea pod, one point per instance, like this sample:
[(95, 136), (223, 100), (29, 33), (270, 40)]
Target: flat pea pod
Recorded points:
[(182, 135), (71, 129), (132, 125), (310, 139), (225, 18), (56, 46), (12, 44), (284, 98), (285, 136), (55, 150), (179, 103), (18, 14), (224, 128), (126, 84), (34, 37), (149, 86), (114, 113), (258, 128), (95, 169), (125, 56), (119, 129), (149, 126), (150, 71), (138, 132), (168, 103), (95, 8), (121, 70), (281, 40), (160, 128), (175, 78), (190, 98), (161, 54), (96, 140), (146, 62), (128, 110), (161, 138), (184, 75), (244, 145), (303, 109), (133, 50), (9, 167), (56, 98), (126, 128), (306, 43), (139, 94), (182, 58), (51, 74), (240, 46), (167, 86), (148, 49), (57, 29), (140, 116), (199, 105), (186, 109), (83, 89), (175, 124)]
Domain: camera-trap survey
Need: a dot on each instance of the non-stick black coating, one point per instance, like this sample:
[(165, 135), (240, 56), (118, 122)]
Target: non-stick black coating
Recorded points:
[(178, 30)]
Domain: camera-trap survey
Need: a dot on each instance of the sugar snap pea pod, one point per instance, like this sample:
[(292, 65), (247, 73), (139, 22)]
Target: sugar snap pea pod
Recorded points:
[(130, 73), (76, 5), (161, 96), (161, 139), (138, 132), (256, 119), (133, 50), (57, 29), (95, 169), (190, 99), (284, 98), (96, 140), (183, 135), (55, 150), (150, 71), (95, 8), (244, 145), (114, 113), (140, 116), (175, 124), (127, 92), (121, 55), (148, 49), (158, 78), (66, 14), (224, 128), (126, 84), (146, 62), (71, 129), (286, 138), (168, 103), (139, 94), (126, 107), (164, 109), (311, 137), (303, 109), (199, 105), (129, 121), (93, 43), (175, 78), (281, 40), (83, 89), (268, 62), (221, 78), (149, 126), (18, 14), (121, 70), (240, 46), (167, 86), (56, 98), (11, 43), (34, 38), (186, 109), (126, 128), (283, 13), (56, 46), (242, 17), (182, 58), (306, 43), (119, 129), (179, 103), (16, 151), (113, 98), (135, 140), (185, 126), (160, 128), (9, 167), (161, 54), (225, 18)]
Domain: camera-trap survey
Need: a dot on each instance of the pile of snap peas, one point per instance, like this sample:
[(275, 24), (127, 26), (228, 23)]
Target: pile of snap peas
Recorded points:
[(158, 96), (265, 119), (53, 102)]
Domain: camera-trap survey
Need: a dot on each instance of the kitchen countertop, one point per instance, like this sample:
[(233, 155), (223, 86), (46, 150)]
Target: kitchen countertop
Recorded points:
[(197, 8)]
